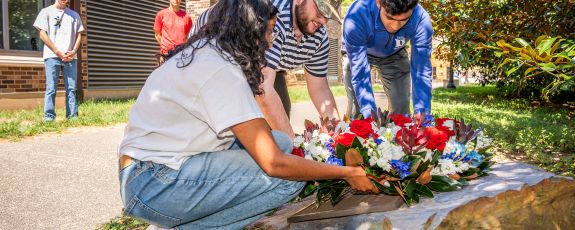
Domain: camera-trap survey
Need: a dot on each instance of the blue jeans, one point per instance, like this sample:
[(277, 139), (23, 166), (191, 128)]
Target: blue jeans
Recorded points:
[(215, 190), (70, 75), (394, 73)]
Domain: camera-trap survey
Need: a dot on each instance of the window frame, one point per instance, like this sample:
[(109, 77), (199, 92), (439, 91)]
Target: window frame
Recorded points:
[(5, 28), (6, 33)]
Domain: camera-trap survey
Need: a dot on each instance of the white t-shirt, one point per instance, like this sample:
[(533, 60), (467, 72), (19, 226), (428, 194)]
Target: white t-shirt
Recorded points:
[(181, 112), (62, 26)]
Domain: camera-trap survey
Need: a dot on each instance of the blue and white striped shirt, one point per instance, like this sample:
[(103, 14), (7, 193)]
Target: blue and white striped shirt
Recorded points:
[(286, 54)]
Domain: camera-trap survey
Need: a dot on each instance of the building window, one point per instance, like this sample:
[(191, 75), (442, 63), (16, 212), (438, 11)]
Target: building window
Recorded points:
[(17, 19)]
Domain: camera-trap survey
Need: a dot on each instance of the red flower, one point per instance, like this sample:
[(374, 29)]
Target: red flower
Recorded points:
[(446, 130), (440, 124), (436, 138), (362, 128), (298, 152), (400, 120), (344, 139)]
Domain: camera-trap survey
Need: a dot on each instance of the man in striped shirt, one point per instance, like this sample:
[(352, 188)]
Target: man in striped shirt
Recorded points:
[(300, 39)]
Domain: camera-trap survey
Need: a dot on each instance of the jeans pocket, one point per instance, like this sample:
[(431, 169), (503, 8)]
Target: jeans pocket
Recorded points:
[(165, 174), (137, 208)]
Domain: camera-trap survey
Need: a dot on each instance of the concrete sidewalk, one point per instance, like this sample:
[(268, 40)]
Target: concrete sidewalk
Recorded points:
[(69, 180)]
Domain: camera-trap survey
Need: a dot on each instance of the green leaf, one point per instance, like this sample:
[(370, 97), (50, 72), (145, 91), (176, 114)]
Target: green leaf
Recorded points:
[(548, 67), (485, 165), (522, 42), (309, 189), (335, 194), (387, 190), (470, 172), (463, 181), (512, 70), (435, 157), (356, 143), (422, 167), (340, 151), (545, 45), (410, 188), (443, 184), (423, 190)]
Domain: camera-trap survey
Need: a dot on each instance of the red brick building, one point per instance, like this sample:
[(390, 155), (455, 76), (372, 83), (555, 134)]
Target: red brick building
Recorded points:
[(117, 53)]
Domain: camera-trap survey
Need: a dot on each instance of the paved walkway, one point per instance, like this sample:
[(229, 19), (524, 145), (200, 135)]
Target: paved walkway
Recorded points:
[(69, 180)]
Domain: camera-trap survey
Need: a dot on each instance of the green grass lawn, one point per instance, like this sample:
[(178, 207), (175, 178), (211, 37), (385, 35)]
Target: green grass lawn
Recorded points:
[(15, 125), (299, 93)]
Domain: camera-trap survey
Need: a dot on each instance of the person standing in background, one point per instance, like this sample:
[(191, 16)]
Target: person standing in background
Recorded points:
[(171, 28), (59, 28)]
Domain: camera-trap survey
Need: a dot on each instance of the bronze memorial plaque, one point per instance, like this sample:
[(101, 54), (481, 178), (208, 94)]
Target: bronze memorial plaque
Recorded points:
[(348, 206)]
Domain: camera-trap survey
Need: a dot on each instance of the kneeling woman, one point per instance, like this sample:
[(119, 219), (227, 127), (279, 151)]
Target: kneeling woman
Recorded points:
[(197, 153)]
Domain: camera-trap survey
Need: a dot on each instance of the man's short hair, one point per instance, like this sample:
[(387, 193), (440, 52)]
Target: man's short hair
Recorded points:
[(395, 7)]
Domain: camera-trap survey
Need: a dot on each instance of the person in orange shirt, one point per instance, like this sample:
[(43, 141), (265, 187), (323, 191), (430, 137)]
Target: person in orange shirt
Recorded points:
[(172, 26)]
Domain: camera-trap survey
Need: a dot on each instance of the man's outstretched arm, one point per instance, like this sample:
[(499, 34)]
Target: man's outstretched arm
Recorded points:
[(321, 96), (271, 104)]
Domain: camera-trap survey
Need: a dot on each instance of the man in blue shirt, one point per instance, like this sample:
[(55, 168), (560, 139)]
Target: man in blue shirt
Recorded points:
[(375, 33)]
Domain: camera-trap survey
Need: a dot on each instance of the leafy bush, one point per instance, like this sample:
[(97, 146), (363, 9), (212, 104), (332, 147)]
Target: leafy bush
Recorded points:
[(549, 64), (461, 27)]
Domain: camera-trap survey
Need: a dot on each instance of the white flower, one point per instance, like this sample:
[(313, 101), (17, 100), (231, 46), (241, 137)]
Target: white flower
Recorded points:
[(450, 147), (461, 167), (393, 131), (324, 154), (482, 141), (298, 141), (428, 155), (372, 161), (342, 126), (444, 167), (383, 154), (383, 163), (309, 157), (374, 126), (449, 124), (315, 133), (386, 184), (382, 131), (324, 137)]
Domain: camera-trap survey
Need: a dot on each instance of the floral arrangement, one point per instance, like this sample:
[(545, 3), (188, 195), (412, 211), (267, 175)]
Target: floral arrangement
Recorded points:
[(409, 156)]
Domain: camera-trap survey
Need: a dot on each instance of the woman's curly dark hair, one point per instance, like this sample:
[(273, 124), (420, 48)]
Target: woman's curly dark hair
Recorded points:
[(238, 28)]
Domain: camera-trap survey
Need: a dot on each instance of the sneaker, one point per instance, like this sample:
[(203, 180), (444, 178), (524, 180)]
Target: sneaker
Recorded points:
[(49, 119)]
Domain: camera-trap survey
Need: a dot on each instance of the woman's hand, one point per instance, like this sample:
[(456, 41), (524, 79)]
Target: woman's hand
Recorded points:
[(360, 182)]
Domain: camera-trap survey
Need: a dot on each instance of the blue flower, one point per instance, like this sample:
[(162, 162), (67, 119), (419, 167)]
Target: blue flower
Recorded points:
[(378, 140), (332, 160), (457, 154), (329, 146), (474, 158), (401, 167)]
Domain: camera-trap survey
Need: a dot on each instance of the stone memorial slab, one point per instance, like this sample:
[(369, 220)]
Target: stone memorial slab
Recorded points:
[(513, 196), (350, 205)]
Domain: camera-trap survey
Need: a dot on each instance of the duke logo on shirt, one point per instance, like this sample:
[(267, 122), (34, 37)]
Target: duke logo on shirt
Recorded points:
[(400, 42)]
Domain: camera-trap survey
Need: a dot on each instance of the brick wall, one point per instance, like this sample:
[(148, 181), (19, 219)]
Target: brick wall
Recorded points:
[(83, 55), (196, 7), (19, 79)]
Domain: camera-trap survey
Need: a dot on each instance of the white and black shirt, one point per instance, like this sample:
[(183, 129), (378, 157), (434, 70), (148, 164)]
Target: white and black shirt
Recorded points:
[(286, 54)]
